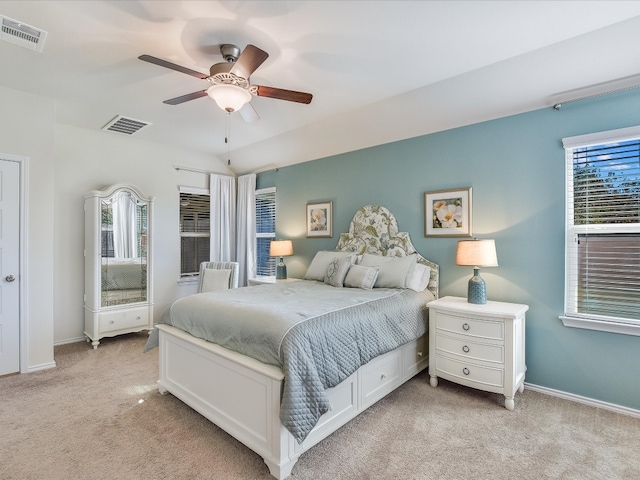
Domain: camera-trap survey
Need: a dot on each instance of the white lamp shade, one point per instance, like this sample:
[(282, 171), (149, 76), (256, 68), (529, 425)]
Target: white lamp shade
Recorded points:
[(229, 97), (477, 253), (281, 248)]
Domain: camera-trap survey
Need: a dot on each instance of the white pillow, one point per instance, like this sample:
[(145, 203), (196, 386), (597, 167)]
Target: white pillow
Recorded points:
[(321, 261), (418, 280), (336, 271), (393, 270), (360, 276), (215, 279)]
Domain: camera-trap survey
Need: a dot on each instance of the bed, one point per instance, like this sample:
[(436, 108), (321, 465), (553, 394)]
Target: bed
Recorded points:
[(284, 399)]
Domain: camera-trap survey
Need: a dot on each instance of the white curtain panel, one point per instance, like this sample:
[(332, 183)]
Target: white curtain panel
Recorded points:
[(223, 218), (124, 226), (246, 228)]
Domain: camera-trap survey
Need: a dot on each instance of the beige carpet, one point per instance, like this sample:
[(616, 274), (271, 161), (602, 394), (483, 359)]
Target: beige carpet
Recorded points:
[(98, 415)]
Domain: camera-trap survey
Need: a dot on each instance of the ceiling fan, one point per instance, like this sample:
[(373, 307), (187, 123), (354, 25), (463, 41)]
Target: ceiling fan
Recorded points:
[(230, 87)]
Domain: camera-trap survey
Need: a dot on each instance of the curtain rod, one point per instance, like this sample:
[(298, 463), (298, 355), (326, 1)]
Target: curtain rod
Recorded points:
[(204, 172), (558, 105)]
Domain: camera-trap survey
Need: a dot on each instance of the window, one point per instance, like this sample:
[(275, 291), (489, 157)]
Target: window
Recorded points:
[(265, 230), (602, 278), (195, 230)]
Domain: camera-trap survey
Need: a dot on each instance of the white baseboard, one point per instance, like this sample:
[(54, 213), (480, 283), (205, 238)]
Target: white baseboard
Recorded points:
[(70, 340), (44, 366), (586, 400)]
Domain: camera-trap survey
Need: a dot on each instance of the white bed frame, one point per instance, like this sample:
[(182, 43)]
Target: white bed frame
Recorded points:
[(242, 395)]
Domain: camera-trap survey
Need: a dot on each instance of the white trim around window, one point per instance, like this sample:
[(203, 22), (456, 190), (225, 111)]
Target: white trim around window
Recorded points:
[(602, 231)]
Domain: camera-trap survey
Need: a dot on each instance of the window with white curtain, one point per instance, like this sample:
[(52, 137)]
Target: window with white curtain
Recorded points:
[(602, 277), (265, 230), (195, 229)]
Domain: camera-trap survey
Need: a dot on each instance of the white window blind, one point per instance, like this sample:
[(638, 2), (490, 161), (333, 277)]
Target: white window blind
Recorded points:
[(195, 231), (265, 230), (602, 282)]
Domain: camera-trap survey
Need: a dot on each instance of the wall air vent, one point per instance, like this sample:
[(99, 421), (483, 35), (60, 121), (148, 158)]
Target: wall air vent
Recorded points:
[(22, 34), (125, 125)]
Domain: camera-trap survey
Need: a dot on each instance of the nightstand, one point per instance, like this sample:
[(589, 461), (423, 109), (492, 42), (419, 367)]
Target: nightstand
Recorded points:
[(480, 346), (266, 280)]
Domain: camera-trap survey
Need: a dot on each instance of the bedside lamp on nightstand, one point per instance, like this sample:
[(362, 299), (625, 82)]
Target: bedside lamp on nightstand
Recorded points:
[(281, 248), (477, 253)]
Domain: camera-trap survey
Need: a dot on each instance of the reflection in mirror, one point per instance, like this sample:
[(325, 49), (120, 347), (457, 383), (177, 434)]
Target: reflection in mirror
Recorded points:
[(124, 249)]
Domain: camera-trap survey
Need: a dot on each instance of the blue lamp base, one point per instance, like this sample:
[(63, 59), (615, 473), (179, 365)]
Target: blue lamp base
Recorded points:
[(281, 270), (477, 290)]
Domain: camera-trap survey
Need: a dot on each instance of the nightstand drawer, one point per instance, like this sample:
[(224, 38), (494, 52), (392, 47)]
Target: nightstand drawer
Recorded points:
[(470, 350), (470, 326), (470, 372)]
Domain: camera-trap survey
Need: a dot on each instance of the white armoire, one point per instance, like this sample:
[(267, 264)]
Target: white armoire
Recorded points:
[(118, 295)]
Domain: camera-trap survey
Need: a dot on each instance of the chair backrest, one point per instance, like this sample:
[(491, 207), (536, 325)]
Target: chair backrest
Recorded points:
[(213, 276)]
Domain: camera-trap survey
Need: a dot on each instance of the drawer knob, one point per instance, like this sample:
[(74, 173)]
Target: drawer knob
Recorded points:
[(465, 349), (419, 354), (465, 326), (138, 317), (383, 376), (466, 371), (111, 322)]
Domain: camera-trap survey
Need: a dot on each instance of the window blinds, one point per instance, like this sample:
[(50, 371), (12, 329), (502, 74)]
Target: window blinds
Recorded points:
[(265, 230), (603, 231)]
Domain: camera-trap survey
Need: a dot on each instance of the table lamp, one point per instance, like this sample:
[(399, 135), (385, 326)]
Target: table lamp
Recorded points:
[(477, 253), (281, 248)]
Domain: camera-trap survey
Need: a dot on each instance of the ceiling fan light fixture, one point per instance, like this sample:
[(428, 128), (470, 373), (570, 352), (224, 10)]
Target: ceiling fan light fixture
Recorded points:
[(229, 97)]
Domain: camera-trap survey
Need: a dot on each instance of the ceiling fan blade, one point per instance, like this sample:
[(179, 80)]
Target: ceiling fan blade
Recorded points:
[(248, 113), (281, 94), (248, 61), (186, 98), (172, 66)]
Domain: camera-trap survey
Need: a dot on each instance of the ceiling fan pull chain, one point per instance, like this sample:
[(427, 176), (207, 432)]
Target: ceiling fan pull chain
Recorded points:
[(227, 137)]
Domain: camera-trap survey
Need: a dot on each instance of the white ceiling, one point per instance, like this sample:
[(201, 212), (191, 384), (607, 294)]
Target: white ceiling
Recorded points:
[(379, 71)]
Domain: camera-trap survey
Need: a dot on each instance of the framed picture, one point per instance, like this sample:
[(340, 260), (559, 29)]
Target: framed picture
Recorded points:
[(447, 213), (320, 219)]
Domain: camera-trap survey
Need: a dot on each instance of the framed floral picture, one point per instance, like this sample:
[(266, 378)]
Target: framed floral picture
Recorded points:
[(448, 213), (320, 219)]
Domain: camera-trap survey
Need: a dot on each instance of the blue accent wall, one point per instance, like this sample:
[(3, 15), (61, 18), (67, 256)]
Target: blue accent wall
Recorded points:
[(515, 166)]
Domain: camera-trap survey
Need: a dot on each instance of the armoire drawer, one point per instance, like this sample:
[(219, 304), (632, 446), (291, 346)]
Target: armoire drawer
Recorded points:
[(114, 320)]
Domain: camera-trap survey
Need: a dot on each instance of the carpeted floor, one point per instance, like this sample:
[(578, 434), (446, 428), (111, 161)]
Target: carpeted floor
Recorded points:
[(98, 415)]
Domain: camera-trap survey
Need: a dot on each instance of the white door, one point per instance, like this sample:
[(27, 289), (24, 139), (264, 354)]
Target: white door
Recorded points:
[(9, 267)]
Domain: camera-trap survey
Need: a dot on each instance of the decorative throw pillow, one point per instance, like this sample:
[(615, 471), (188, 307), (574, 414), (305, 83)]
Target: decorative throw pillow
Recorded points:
[(336, 271), (393, 270), (360, 276), (215, 279), (321, 261), (418, 280)]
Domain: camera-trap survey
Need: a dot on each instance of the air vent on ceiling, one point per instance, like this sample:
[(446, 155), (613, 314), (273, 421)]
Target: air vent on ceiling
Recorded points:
[(22, 34), (125, 125)]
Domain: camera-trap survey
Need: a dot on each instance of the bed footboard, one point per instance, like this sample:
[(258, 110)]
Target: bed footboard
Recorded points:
[(242, 395)]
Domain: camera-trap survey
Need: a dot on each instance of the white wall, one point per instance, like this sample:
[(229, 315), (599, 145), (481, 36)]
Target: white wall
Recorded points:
[(93, 159), (27, 128)]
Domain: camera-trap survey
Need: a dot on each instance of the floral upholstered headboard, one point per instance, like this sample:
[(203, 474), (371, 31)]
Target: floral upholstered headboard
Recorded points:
[(374, 230)]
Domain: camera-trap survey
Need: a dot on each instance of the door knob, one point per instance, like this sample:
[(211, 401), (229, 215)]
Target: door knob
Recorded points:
[(9, 278)]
